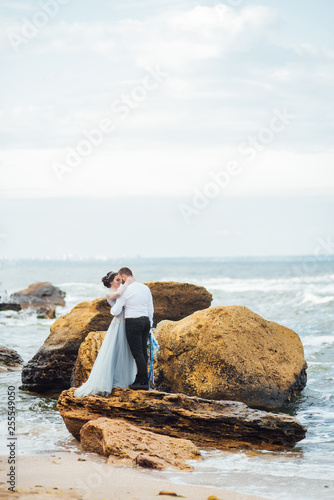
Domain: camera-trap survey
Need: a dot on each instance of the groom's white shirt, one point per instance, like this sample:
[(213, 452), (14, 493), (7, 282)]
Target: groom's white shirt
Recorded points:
[(136, 300)]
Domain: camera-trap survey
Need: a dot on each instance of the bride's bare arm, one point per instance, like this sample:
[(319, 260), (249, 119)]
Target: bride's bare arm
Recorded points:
[(114, 295)]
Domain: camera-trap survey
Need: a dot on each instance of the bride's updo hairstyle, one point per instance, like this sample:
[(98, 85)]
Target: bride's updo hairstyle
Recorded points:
[(108, 279)]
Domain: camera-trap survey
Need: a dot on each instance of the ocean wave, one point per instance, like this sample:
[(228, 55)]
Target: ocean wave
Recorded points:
[(319, 340), (73, 300), (268, 285), (261, 463), (247, 286), (80, 284), (24, 317), (318, 299)]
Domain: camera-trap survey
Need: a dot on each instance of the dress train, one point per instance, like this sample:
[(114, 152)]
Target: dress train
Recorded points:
[(114, 365)]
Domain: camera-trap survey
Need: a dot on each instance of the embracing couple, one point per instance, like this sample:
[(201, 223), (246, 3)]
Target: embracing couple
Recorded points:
[(122, 358)]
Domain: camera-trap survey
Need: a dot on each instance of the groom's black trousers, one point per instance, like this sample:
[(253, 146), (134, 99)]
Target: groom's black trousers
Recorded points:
[(137, 332)]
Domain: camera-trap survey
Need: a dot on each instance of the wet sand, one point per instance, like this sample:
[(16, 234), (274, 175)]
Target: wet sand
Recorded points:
[(88, 477)]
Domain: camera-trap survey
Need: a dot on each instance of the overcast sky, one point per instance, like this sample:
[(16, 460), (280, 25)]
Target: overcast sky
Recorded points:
[(180, 111)]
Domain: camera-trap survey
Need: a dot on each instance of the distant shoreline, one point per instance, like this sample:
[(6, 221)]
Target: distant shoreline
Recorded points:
[(111, 258)]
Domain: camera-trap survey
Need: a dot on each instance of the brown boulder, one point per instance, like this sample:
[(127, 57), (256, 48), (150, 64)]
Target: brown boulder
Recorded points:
[(51, 367), (175, 301), (127, 444), (44, 297), (45, 312), (87, 355), (230, 353), (218, 424), (10, 360)]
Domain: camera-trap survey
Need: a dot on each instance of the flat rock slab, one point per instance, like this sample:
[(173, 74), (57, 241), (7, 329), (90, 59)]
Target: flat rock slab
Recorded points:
[(10, 306), (126, 444), (207, 423)]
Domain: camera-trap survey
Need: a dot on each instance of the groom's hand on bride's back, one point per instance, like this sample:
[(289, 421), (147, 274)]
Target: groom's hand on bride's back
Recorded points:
[(130, 279)]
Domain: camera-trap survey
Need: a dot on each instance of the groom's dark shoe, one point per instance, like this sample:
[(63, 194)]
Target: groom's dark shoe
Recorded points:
[(139, 386)]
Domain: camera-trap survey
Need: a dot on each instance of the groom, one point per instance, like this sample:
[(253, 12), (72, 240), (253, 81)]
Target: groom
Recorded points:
[(138, 312)]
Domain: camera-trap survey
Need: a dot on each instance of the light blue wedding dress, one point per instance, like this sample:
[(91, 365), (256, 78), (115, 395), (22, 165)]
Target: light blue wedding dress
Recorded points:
[(114, 365)]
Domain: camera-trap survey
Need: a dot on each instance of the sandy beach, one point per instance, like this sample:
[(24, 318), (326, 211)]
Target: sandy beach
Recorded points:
[(86, 476)]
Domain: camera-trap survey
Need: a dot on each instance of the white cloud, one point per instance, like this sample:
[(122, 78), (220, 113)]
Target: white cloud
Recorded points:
[(185, 33), (228, 22)]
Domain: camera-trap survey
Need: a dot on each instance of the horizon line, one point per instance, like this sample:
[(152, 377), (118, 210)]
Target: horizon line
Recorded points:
[(79, 258)]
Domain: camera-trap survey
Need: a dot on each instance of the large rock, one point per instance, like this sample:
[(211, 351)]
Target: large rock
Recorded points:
[(175, 301), (51, 368), (87, 355), (127, 444), (44, 297), (10, 360), (10, 306), (230, 353), (218, 424)]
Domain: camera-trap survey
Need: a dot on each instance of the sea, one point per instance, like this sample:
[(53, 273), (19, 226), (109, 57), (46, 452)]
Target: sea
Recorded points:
[(297, 292)]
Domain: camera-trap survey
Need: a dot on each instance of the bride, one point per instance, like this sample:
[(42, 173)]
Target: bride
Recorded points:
[(114, 365)]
